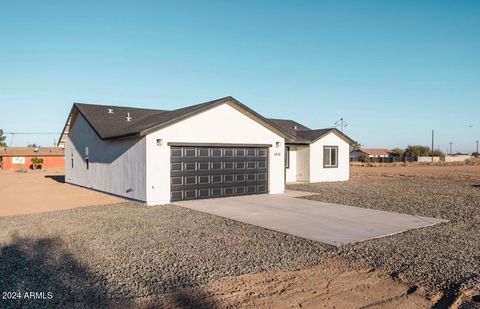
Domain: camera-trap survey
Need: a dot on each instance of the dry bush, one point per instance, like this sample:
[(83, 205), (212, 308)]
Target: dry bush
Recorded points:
[(473, 161)]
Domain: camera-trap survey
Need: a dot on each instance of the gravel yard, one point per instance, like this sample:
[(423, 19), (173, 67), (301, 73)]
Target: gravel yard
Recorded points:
[(118, 253), (445, 257)]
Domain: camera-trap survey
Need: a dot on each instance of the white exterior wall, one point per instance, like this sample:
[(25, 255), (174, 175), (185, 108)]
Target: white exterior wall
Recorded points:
[(291, 171), (428, 159), (116, 167), (317, 171), (221, 124), (458, 158)]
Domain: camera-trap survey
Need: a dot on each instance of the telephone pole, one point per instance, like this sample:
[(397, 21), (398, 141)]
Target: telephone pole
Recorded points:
[(477, 148), (433, 140), (451, 148)]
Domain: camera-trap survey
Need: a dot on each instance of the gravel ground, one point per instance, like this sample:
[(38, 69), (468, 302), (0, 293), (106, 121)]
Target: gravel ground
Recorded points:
[(444, 257), (96, 256)]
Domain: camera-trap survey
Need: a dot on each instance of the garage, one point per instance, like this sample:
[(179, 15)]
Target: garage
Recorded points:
[(209, 171)]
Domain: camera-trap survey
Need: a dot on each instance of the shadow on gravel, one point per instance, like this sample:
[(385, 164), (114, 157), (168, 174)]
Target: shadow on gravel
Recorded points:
[(475, 186), (43, 266), (57, 178), (188, 295)]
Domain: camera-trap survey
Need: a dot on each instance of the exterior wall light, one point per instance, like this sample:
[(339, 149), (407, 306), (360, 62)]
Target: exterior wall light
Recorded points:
[(277, 144), (159, 142)]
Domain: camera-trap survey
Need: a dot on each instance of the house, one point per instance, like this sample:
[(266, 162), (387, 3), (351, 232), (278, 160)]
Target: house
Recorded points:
[(214, 149), (315, 155), (14, 158), (371, 153)]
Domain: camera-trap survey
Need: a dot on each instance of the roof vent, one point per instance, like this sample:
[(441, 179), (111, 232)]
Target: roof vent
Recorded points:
[(295, 127), (110, 110), (128, 118)]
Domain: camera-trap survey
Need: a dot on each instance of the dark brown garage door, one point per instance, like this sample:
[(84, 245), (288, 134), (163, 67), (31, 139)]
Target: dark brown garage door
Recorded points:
[(207, 172)]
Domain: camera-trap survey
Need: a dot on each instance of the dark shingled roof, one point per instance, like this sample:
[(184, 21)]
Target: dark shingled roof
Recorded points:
[(143, 121), (289, 125), (303, 134), (108, 125)]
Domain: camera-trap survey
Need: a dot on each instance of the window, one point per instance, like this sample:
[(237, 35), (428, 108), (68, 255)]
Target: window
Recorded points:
[(287, 156), (330, 156), (87, 164)]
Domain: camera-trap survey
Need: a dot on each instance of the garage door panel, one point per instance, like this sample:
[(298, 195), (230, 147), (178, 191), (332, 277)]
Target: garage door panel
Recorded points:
[(216, 159), (206, 172)]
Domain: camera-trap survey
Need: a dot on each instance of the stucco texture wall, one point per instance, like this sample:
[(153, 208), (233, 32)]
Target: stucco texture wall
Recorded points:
[(317, 171), (49, 162), (221, 124)]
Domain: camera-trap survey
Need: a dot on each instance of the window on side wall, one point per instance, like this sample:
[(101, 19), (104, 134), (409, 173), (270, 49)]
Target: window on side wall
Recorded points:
[(330, 156), (287, 156), (87, 162)]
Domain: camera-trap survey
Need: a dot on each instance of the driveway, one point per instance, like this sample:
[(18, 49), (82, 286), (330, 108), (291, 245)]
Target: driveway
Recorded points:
[(325, 222)]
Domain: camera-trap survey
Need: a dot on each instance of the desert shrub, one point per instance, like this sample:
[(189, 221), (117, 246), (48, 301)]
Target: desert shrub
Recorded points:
[(473, 161), (37, 163)]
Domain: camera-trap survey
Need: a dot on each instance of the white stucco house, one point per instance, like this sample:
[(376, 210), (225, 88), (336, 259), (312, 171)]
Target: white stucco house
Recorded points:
[(215, 149)]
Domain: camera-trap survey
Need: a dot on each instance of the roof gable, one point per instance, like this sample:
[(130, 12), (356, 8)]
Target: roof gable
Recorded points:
[(111, 125)]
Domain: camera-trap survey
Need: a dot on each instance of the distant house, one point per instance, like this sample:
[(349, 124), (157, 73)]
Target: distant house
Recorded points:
[(13, 158), (371, 153)]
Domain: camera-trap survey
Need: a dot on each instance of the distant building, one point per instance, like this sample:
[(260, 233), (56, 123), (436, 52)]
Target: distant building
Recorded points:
[(357, 154), (14, 158)]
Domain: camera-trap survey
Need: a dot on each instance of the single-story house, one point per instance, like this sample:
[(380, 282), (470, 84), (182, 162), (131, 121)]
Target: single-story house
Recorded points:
[(214, 149), (357, 154), (14, 158)]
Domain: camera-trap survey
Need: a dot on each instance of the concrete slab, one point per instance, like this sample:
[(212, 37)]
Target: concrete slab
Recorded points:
[(325, 222)]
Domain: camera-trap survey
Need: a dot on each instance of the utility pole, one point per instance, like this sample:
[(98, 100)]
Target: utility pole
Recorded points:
[(477, 148), (451, 148), (433, 140)]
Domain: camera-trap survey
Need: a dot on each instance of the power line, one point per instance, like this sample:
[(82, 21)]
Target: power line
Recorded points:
[(23, 133)]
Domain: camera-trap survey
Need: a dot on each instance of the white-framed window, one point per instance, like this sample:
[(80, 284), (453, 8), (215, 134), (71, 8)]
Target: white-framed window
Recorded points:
[(330, 156)]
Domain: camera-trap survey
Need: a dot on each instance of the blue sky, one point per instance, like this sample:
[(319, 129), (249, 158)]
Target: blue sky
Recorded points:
[(393, 70)]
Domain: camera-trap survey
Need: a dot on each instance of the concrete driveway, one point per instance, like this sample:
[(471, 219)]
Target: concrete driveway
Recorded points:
[(325, 222)]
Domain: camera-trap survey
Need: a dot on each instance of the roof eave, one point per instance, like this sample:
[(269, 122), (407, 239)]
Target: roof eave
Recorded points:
[(339, 133), (207, 107)]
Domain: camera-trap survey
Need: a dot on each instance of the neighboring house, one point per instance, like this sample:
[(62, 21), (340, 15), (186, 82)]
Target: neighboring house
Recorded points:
[(214, 149), (356, 155), (13, 158)]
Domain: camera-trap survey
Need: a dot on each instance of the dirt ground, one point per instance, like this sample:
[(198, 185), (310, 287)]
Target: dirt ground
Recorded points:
[(332, 284), (44, 190), (468, 173)]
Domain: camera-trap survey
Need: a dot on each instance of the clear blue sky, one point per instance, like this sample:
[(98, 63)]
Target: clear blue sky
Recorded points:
[(393, 69)]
